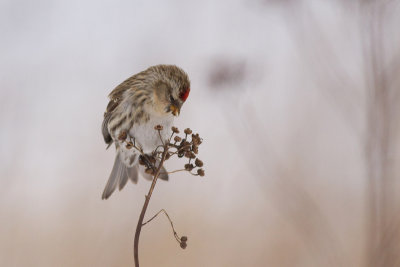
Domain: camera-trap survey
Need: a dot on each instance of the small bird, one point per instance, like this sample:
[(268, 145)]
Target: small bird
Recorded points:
[(149, 98)]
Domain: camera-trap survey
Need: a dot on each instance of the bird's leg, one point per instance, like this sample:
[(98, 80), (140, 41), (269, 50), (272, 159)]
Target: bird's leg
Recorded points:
[(148, 160)]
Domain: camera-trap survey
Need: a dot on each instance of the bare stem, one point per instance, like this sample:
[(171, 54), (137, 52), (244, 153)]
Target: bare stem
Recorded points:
[(146, 203), (181, 170), (170, 138), (159, 134), (170, 221), (134, 145)]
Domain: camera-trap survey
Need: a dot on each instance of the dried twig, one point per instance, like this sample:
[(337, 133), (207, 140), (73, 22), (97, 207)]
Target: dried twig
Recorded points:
[(181, 147), (180, 240), (146, 203)]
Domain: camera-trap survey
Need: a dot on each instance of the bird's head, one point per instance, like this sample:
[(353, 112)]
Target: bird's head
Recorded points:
[(171, 89)]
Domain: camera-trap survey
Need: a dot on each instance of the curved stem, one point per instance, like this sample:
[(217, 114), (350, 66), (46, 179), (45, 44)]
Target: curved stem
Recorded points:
[(170, 221), (146, 203)]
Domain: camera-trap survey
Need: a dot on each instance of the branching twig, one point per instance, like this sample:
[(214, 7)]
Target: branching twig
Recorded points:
[(170, 221), (181, 170), (181, 147), (146, 203)]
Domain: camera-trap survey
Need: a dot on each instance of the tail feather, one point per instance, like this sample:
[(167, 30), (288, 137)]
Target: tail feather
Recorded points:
[(123, 180), (133, 174), (118, 176), (164, 174)]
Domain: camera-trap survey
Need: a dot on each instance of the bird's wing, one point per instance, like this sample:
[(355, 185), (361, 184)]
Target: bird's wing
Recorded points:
[(116, 97)]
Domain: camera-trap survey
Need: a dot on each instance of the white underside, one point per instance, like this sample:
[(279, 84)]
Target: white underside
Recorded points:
[(146, 138)]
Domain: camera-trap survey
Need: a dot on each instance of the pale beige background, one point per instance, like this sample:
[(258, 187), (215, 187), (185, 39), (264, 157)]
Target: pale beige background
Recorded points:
[(281, 94)]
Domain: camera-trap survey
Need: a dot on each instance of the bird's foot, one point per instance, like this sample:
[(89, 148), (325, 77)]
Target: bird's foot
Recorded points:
[(148, 160)]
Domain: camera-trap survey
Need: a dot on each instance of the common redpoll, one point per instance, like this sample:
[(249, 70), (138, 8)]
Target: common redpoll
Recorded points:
[(149, 98)]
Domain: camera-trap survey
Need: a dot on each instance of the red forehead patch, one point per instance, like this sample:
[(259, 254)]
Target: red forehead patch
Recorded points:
[(184, 95)]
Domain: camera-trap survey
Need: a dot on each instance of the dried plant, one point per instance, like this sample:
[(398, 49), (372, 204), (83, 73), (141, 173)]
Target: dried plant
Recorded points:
[(186, 146)]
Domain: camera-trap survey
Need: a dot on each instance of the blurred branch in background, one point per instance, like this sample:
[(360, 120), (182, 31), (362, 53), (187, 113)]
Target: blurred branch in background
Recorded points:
[(367, 100), (282, 176), (382, 70)]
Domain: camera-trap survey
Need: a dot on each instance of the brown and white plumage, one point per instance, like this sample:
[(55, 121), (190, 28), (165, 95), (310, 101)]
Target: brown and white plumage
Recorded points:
[(151, 97)]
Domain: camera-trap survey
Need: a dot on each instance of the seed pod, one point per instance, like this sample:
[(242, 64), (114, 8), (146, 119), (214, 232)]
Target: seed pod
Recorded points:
[(198, 163), (189, 167), (183, 245), (177, 139), (174, 129), (122, 136), (185, 146), (129, 145), (184, 238), (187, 131), (158, 127), (200, 172), (152, 159), (196, 139), (195, 149)]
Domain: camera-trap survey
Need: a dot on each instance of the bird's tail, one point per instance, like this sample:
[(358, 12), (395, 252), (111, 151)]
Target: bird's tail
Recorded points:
[(119, 177), (121, 173)]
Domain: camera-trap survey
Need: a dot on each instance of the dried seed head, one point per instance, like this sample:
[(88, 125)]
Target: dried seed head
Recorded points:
[(190, 155), (184, 238), (189, 167), (174, 129), (198, 163), (196, 139), (177, 139), (200, 172), (195, 149), (187, 131), (185, 145), (129, 145), (152, 159), (158, 127), (122, 136), (183, 245)]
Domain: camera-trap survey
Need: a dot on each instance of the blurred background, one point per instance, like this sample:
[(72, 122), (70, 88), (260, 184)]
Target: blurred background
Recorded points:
[(297, 103)]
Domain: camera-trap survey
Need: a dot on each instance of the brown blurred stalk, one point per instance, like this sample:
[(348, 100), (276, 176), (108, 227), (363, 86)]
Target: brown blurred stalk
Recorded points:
[(380, 139), (145, 205)]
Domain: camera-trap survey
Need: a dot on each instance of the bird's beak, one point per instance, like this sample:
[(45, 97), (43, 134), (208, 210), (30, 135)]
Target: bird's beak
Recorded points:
[(175, 110)]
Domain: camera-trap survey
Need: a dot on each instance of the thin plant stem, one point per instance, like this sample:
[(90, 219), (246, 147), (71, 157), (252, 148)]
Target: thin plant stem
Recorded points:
[(170, 221), (159, 134), (181, 170), (145, 205)]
